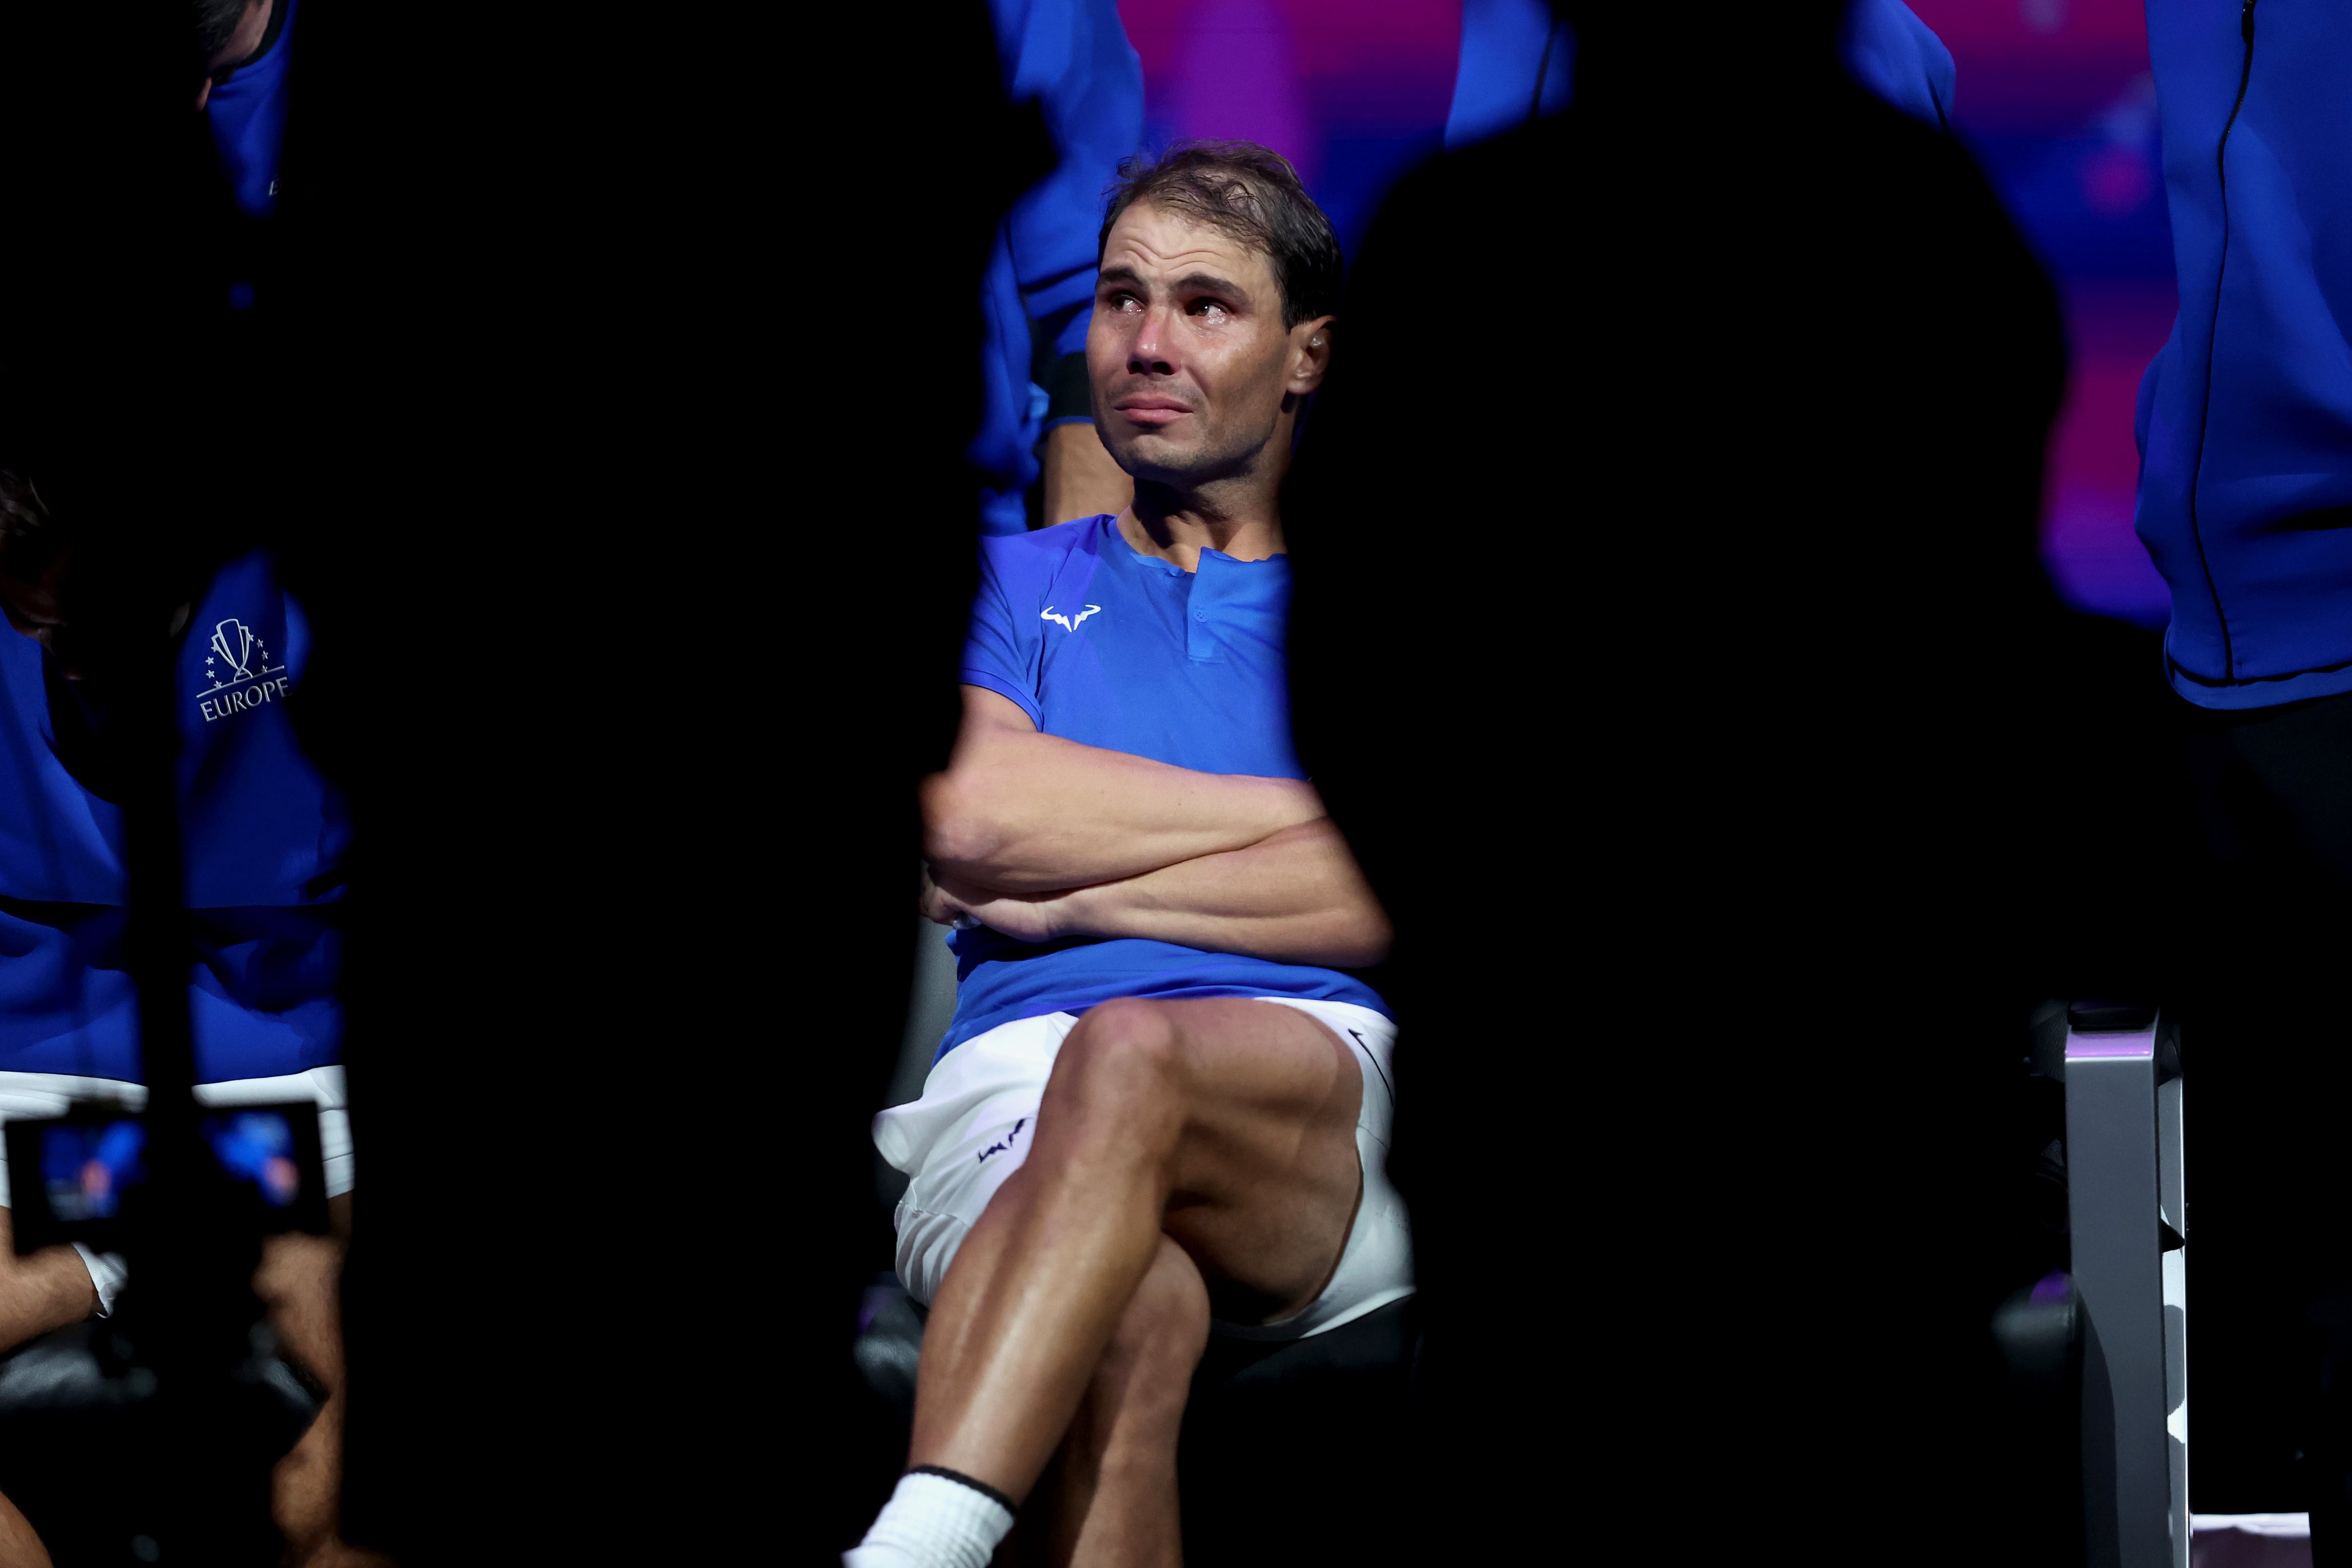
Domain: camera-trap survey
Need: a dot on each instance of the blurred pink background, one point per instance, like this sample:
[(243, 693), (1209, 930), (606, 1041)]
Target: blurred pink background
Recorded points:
[(2053, 97)]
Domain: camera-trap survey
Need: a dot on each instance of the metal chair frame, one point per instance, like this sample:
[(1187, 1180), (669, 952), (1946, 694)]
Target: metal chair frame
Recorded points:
[(2129, 1222)]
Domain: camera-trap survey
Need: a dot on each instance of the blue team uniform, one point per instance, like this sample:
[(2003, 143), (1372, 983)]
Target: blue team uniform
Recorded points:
[(1073, 59), (2245, 416), (1102, 645), (1890, 52), (1518, 62), (247, 114), (264, 840)]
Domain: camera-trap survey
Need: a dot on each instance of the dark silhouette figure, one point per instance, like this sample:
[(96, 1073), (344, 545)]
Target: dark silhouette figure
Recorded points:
[(633, 867), (1670, 642), (563, 400)]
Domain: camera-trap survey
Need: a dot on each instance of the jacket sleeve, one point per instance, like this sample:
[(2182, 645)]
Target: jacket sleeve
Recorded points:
[(1507, 45), (1074, 59), (1898, 56)]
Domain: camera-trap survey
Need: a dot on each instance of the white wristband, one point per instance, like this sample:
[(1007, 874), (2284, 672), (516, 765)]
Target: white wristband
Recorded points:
[(107, 1273)]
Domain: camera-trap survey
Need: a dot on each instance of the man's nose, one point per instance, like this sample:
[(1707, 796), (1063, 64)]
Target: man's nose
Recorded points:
[(1148, 352)]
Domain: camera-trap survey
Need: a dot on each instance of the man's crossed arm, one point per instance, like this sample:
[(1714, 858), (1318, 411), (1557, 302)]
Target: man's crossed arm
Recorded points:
[(1042, 837)]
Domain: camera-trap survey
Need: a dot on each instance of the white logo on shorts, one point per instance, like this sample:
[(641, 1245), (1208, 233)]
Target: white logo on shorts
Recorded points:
[(1068, 625)]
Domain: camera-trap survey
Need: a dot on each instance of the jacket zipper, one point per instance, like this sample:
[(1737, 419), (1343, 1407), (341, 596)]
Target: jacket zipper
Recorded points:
[(2213, 331)]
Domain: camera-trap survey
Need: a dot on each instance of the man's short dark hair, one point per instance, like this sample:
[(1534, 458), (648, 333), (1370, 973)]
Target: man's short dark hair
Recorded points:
[(1254, 195), (29, 541), (216, 23)]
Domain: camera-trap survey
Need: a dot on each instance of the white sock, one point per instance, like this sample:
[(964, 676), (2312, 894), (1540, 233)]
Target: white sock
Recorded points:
[(934, 1519)]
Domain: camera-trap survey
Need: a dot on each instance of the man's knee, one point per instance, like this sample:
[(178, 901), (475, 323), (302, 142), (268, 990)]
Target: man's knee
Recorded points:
[(1122, 1070)]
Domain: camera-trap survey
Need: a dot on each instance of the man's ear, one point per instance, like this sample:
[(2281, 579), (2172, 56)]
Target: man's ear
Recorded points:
[(1310, 354)]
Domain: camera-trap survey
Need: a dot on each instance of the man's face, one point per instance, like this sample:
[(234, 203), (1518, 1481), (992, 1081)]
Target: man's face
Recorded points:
[(251, 28), (1187, 352), (35, 606)]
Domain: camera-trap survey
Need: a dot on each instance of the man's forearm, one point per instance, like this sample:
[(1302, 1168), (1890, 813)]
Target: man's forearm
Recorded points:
[(1023, 812), (1296, 897), (45, 1290)]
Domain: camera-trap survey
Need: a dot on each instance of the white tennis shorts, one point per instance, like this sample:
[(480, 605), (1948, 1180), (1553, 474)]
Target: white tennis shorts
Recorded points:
[(972, 1129)]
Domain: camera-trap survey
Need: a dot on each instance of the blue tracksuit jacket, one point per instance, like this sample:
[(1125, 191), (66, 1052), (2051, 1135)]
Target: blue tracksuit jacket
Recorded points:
[(2245, 416), (1073, 58)]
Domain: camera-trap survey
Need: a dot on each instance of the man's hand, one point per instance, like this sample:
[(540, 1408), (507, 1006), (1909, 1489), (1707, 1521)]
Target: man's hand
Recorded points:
[(1025, 917)]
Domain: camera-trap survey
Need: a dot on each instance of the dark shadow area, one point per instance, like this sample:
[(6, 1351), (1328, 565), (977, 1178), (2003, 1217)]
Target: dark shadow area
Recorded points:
[(635, 592), (1779, 739)]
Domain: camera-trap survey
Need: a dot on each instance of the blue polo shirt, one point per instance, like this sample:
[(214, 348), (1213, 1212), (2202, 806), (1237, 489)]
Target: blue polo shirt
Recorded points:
[(1100, 644)]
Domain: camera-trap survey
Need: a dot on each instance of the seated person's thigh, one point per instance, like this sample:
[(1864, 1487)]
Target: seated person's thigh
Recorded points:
[(975, 1121)]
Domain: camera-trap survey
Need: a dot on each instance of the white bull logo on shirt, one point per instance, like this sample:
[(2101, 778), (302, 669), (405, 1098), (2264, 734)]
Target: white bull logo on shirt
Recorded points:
[(1067, 623)]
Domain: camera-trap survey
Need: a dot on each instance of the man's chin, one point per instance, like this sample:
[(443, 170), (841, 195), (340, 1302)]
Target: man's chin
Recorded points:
[(1155, 459)]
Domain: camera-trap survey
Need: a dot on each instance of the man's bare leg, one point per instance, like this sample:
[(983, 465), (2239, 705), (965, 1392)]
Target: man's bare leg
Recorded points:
[(1109, 1497), (1228, 1125), (19, 1547), (47, 1290), (298, 1281), (52, 1288)]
